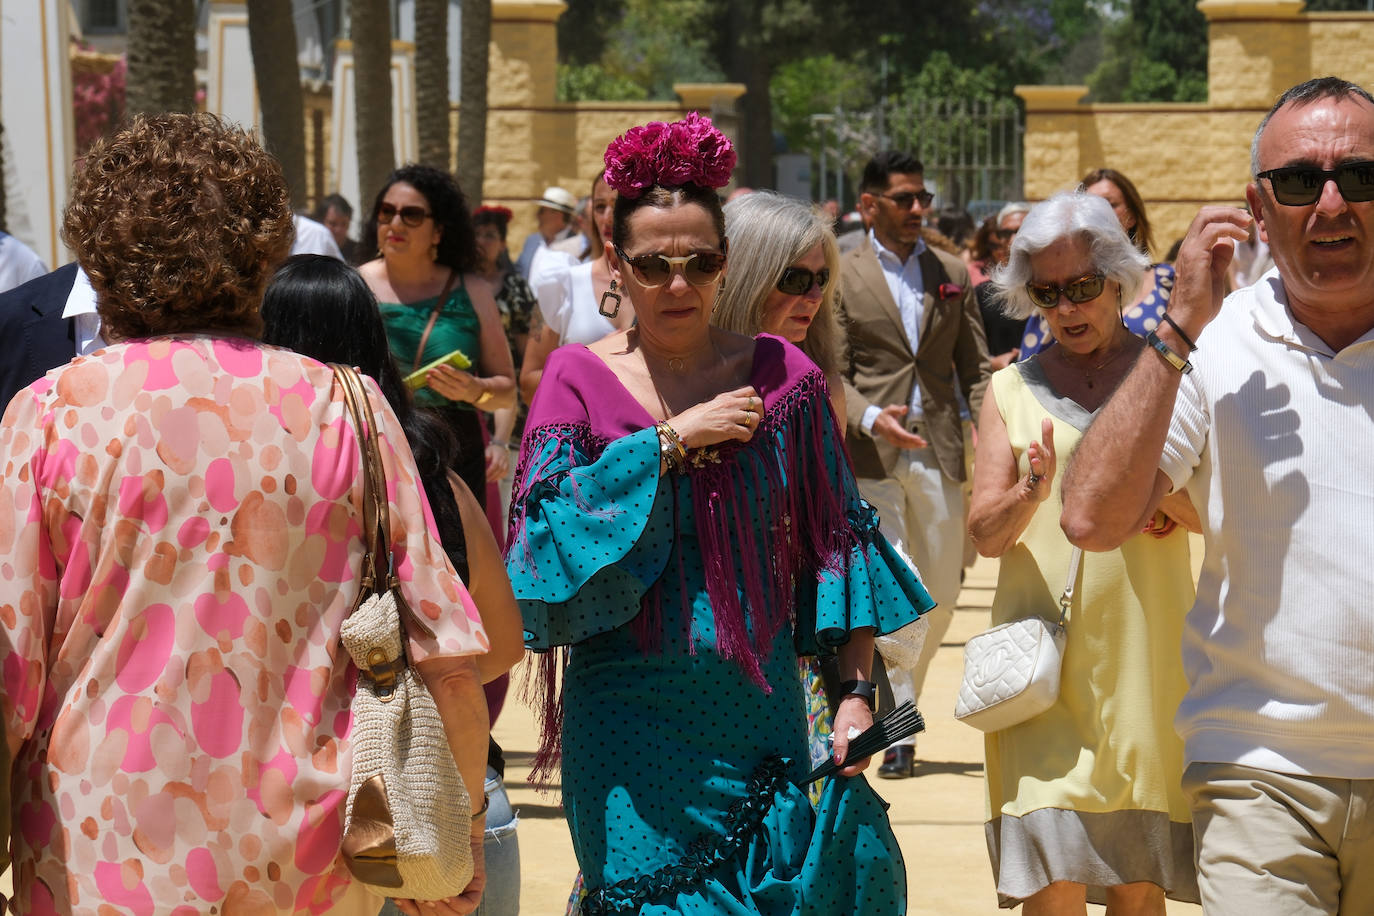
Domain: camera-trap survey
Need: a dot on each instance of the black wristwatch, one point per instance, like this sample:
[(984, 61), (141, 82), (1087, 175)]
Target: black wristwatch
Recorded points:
[(866, 689)]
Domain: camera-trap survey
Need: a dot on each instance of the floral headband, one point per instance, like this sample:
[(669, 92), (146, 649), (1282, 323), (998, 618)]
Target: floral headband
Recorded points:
[(690, 151), (503, 213)]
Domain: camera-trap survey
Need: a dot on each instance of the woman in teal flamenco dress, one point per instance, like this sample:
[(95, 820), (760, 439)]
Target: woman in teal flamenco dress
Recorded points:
[(684, 526)]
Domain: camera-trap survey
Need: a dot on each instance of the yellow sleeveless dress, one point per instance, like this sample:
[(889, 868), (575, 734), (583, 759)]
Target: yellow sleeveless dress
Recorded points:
[(1089, 791)]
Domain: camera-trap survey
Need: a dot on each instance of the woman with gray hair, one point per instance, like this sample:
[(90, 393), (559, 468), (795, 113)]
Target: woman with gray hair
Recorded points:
[(1085, 799), (784, 279), (1141, 312)]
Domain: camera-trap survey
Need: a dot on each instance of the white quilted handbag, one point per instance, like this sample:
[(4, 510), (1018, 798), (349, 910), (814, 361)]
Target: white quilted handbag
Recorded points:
[(1011, 672)]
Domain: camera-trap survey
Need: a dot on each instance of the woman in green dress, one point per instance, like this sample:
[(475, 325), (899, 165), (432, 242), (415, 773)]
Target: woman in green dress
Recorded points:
[(433, 303)]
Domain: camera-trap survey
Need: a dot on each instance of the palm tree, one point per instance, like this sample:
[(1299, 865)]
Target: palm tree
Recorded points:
[(370, 28), (431, 82), (162, 56), (272, 37), (472, 113), (2, 178)]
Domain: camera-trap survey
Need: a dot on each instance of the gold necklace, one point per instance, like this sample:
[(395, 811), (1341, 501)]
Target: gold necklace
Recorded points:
[(677, 365)]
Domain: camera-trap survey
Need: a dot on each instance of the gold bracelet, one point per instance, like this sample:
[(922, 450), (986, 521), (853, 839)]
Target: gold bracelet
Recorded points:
[(484, 397), (670, 448)]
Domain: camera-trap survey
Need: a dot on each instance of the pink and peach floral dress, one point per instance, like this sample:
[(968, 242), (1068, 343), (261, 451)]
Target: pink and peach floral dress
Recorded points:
[(179, 545)]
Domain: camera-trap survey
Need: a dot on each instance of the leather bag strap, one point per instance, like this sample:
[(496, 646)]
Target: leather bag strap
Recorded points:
[(376, 505), (355, 397), (433, 317)]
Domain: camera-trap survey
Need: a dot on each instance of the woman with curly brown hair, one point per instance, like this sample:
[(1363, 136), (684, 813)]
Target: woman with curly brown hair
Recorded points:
[(433, 303), (181, 517)]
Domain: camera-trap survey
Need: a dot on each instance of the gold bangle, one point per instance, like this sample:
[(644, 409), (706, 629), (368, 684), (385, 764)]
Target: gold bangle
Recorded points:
[(670, 448), (484, 397)]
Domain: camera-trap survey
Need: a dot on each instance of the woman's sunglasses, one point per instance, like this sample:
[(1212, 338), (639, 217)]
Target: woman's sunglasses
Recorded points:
[(699, 268), (1085, 289), (797, 281), (1300, 185), (411, 216)]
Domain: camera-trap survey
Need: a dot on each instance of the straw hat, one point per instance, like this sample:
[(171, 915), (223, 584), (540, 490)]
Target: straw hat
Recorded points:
[(556, 198)]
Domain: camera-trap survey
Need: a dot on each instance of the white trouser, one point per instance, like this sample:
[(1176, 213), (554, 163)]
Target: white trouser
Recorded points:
[(921, 511)]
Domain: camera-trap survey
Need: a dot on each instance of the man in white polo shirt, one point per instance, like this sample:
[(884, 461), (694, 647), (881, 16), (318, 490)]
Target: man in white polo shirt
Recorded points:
[(1263, 408)]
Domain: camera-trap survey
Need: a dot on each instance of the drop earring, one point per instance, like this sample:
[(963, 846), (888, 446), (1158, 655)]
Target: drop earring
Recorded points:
[(610, 293)]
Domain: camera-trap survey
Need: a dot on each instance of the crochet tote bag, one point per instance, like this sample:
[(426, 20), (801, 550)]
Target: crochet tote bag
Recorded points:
[(408, 816)]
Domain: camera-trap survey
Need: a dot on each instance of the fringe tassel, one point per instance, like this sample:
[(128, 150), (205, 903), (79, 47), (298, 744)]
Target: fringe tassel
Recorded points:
[(543, 692), (808, 532), (541, 448)]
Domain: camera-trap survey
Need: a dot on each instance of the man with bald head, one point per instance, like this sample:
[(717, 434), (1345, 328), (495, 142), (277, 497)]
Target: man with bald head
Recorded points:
[(1263, 408)]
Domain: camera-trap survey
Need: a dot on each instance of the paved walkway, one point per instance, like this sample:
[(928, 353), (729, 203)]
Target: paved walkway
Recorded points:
[(937, 816)]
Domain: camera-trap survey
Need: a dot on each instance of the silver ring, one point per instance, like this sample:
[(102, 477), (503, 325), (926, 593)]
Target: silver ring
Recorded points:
[(1033, 480)]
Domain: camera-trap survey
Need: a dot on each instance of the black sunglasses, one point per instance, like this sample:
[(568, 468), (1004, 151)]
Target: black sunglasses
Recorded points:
[(1300, 185), (904, 200), (1085, 289), (1006, 235), (699, 268), (797, 281), (411, 216)]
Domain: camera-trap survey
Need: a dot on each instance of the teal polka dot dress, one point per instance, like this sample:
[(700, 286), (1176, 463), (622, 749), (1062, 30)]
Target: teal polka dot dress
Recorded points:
[(683, 602)]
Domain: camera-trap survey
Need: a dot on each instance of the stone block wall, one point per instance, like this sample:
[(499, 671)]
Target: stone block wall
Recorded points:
[(1184, 156)]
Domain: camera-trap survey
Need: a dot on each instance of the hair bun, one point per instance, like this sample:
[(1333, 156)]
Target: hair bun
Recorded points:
[(690, 151)]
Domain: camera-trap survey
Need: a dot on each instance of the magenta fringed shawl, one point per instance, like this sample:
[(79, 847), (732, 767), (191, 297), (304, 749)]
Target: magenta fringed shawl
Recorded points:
[(767, 513)]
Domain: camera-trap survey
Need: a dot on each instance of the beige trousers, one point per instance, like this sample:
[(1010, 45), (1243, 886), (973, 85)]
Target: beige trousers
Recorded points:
[(1275, 844), (921, 511)]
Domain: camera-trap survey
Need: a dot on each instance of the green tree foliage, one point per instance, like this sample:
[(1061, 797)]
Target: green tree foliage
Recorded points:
[(802, 57), (594, 82), (645, 44), (812, 85), (1337, 6), (1155, 51)]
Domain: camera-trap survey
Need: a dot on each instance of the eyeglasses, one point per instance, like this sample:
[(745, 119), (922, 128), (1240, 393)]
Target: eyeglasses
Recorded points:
[(699, 268), (1085, 289), (797, 281), (1006, 235), (904, 200), (1300, 185), (411, 216)]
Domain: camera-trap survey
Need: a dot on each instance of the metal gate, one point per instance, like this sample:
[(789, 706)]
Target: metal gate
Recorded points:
[(971, 148)]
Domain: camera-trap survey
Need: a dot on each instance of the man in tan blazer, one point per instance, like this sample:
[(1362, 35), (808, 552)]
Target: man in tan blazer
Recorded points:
[(915, 336)]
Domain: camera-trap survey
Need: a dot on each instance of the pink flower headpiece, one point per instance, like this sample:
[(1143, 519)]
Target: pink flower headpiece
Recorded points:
[(690, 151)]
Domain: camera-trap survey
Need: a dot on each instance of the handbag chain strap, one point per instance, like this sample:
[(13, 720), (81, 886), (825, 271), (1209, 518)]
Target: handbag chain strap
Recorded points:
[(1066, 599)]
